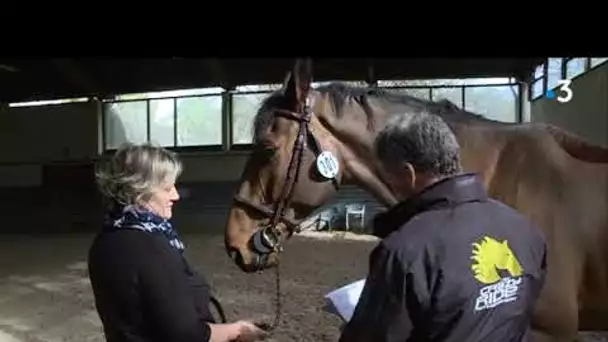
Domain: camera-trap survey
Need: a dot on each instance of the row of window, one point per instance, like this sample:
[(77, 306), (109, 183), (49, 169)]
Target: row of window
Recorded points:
[(547, 74), (194, 118)]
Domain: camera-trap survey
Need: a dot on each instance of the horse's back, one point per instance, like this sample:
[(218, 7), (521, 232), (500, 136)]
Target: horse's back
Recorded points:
[(566, 195)]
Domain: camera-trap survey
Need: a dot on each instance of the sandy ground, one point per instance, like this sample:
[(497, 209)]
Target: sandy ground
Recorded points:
[(45, 294)]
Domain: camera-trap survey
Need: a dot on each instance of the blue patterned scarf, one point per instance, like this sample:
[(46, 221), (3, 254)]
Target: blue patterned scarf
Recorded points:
[(135, 217)]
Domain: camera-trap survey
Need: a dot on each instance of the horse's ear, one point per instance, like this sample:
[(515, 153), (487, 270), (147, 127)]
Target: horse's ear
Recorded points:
[(287, 81), (298, 82)]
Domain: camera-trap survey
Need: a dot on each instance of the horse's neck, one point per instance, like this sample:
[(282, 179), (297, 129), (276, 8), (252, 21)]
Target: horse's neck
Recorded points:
[(356, 137), (480, 147)]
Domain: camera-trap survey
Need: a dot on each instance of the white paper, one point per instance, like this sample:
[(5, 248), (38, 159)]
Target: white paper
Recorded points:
[(344, 299)]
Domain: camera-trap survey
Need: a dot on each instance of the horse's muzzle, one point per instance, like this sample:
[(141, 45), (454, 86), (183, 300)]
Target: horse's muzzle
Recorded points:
[(260, 262)]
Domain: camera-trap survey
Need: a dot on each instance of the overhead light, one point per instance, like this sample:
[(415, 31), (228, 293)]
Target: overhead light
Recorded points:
[(8, 68)]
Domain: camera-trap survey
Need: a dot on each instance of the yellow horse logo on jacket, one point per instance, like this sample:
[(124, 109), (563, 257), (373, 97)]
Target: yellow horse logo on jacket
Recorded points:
[(490, 255)]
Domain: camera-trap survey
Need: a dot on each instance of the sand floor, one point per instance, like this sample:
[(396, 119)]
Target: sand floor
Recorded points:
[(45, 294)]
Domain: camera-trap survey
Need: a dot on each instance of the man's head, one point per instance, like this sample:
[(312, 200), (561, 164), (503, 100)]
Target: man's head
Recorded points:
[(416, 150)]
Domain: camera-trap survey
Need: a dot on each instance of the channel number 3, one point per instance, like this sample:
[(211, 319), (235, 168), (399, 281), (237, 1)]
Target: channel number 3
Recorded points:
[(565, 92)]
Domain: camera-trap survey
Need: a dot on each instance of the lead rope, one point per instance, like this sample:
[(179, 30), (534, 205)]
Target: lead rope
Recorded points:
[(277, 317), (218, 308), (298, 153)]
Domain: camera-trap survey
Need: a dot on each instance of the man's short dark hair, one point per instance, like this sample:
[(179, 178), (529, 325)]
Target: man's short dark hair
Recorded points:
[(424, 140)]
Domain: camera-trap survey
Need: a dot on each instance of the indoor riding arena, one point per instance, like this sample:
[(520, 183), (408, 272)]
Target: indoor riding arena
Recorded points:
[(62, 117)]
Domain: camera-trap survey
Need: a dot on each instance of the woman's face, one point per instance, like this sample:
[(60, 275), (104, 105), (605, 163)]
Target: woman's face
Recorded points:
[(161, 201)]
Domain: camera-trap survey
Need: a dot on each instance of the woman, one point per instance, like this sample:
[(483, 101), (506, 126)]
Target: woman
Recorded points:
[(144, 288)]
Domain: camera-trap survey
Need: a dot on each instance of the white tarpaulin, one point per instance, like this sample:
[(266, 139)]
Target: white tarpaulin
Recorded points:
[(344, 299)]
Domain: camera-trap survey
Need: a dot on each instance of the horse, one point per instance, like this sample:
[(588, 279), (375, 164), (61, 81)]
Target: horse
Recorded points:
[(555, 178)]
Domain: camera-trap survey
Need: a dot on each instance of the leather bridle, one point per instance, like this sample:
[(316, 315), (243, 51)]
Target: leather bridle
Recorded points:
[(267, 239)]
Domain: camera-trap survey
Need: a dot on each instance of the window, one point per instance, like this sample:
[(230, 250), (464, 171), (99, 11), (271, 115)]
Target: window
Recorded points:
[(168, 94), (443, 82), (125, 122), (597, 61), (199, 120), (258, 88), (162, 122), (554, 73), (454, 95), (403, 83), (244, 109), (537, 88), (575, 67), (361, 84), (539, 72), (493, 102), (421, 93)]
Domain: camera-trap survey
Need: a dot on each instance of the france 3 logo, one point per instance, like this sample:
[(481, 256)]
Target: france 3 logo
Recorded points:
[(563, 93)]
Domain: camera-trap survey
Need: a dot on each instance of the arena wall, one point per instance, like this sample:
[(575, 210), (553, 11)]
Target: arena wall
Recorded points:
[(47, 159)]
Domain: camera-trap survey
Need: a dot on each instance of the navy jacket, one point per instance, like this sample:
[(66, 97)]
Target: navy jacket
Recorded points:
[(454, 265), (146, 291)]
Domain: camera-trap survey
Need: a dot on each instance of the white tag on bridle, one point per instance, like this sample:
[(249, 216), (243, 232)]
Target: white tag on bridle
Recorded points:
[(327, 164)]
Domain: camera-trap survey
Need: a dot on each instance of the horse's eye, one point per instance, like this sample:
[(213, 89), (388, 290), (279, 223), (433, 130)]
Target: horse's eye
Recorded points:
[(267, 150)]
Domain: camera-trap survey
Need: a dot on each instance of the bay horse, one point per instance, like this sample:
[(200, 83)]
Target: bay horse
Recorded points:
[(553, 177)]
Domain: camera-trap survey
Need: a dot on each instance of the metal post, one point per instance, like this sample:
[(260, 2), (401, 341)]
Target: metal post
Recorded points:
[(371, 74), (227, 118)]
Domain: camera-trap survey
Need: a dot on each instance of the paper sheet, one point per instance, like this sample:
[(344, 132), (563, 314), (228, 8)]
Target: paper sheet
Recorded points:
[(344, 299)]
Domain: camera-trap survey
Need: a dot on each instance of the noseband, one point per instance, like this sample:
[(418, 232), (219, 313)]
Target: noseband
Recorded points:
[(267, 239)]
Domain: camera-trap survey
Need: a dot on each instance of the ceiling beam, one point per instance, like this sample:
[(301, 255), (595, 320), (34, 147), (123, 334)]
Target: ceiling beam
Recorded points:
[(76, 76), (215, 69), (21, 80)]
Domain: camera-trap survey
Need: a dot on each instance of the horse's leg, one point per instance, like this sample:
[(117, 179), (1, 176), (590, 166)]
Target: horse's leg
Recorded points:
[(560, 325), (541, 336), (555, 317)]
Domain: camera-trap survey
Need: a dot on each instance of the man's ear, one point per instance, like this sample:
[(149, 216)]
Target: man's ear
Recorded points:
[(410, 175)]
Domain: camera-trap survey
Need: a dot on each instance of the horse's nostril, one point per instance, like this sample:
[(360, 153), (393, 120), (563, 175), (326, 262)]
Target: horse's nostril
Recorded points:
[(233, 253), (236, 256)]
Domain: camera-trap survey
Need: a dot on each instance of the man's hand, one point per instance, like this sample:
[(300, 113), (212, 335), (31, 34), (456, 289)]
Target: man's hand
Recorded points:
[(249, 332)]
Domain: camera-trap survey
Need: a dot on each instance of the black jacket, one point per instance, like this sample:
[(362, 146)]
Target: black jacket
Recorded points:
[(145, 290), (454, 265)]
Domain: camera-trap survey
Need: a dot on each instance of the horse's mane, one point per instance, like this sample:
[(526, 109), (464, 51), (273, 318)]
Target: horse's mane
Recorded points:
[(340, 93)]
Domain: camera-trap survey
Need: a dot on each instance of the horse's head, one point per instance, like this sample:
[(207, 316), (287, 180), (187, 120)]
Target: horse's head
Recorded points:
[(295, 167)]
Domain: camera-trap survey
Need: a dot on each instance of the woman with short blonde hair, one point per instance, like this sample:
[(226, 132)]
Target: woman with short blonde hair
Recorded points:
[(145, 289)]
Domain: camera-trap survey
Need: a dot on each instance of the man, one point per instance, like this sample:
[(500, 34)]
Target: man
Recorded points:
[(453, 265)]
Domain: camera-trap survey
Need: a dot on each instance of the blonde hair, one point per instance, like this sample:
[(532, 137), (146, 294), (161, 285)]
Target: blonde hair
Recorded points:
[(135, 171)]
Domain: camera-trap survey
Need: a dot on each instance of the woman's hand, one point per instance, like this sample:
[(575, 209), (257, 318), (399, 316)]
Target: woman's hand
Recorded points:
[(249, 332)]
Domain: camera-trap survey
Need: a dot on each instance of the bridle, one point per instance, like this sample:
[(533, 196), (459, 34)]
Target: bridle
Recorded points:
[(267, 239)]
